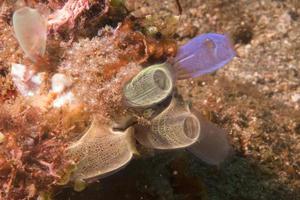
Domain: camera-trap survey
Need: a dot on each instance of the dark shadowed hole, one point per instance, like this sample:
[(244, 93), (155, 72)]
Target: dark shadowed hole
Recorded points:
[(243, 35), (3, 72), (294, 15), (191, 127), (161, 80), (297, 128)]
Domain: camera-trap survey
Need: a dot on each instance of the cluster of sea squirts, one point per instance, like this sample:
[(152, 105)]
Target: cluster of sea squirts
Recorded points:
[(105, 148)]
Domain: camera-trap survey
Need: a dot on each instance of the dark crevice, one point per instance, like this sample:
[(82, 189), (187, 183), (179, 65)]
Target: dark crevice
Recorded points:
[(243, 35)]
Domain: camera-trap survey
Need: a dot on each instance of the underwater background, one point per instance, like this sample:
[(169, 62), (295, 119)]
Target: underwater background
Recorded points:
[(255, 99)]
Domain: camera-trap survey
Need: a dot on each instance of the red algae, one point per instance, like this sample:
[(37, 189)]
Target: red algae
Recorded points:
[(30, 157)]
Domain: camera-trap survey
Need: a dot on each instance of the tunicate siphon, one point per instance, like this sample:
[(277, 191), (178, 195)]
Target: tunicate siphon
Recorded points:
[(151, 86), (175, 127)]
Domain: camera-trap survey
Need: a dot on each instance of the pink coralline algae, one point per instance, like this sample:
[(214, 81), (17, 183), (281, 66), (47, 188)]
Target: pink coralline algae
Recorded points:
[(68, 13)]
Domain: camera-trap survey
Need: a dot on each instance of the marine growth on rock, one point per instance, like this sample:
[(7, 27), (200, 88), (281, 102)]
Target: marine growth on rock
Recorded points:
[(103, 101)]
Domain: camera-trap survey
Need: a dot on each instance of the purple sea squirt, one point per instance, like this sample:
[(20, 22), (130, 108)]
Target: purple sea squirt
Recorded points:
[(203, 54)]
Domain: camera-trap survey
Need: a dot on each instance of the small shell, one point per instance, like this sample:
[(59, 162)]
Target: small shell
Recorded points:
[(31, 31), (101, 151), (151, 86), (175, 127)]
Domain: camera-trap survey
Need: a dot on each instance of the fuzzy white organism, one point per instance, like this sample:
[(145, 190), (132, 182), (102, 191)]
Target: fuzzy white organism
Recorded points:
[(27, 82)]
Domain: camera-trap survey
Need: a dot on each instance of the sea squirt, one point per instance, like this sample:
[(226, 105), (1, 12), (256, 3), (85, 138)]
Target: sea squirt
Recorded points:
[(101, 151), (151, 86), (31, 32), (175, 127), (203, 54)]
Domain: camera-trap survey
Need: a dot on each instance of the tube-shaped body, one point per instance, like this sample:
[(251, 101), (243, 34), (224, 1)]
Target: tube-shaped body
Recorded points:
[(31, 31), (151, 86), (203, 54), (101, 151), (175, 127)]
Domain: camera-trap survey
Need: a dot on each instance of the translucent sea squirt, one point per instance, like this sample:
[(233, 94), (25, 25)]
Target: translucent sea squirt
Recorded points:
[(203, 54), (151, 86), (101, 151), (213, 146), (175, 127), (31, 31)]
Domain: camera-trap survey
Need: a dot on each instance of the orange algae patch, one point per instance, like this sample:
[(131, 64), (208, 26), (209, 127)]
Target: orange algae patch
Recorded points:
[(7, 88), (136, 47), (110, 70)]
